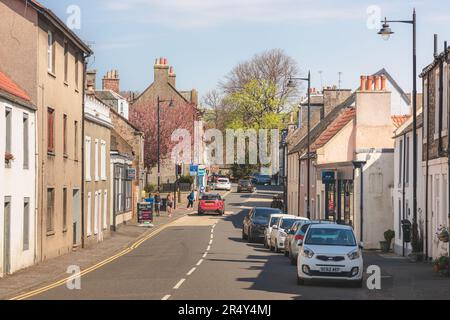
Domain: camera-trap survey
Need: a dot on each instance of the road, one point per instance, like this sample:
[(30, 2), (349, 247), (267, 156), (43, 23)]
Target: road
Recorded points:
[(202, 258)]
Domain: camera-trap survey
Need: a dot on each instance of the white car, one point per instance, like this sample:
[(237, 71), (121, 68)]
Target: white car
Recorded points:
[(279, 232), (329, 252), (273, 220), (223, 184)]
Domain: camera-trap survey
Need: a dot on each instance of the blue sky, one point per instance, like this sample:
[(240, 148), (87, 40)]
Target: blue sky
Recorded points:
[(204, 39)]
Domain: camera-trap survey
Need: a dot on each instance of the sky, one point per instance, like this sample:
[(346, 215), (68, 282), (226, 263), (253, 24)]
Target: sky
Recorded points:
[(205, 39)]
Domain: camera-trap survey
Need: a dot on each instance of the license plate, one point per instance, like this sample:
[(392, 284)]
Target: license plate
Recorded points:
[(330, 269)]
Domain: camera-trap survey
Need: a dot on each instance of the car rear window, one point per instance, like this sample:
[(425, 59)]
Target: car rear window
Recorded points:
[(274, 221), (287, 223), (211, 197), (223, 180)]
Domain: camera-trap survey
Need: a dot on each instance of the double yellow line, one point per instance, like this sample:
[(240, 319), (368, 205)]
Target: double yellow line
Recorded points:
[(130, 248)]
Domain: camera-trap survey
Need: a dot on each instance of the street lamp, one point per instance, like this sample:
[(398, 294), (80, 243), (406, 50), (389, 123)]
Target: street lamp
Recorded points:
[(291, 84), (386, 32), (360, 165), (171, 104)]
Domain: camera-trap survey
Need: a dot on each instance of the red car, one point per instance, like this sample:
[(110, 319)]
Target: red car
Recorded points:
[(211, 203)]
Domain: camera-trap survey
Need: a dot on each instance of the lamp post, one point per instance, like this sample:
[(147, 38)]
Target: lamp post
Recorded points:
[(386, 32), (291, 84), (360, 165), (159, 101)]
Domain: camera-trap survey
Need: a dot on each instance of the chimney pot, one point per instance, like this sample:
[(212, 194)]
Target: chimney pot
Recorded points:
[(363, 83), (377, 83), (369, 83), (383, 83)]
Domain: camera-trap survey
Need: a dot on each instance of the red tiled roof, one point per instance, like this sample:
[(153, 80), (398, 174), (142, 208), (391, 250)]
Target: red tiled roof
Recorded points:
[(398, 121), (9, 86), (340, 122)]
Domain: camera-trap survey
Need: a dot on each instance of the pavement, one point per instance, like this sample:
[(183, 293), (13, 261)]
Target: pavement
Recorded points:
[(204, 257)]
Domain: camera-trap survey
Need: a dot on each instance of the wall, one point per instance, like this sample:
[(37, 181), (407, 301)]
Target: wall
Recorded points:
[(9, 178)]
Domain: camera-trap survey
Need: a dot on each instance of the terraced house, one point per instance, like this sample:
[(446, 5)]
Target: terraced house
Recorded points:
[(47, 59)]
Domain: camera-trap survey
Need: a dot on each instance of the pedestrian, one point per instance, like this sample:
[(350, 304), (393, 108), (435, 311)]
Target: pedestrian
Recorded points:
[(169, 204), (191, 199), (157, 203)]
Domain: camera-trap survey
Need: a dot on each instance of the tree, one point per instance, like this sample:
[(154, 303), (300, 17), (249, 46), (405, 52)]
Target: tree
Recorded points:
[(145, 118), (273, 66)]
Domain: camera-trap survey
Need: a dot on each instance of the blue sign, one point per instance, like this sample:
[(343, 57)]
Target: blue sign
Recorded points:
[(327, 177), (193, 169), (201, 172)]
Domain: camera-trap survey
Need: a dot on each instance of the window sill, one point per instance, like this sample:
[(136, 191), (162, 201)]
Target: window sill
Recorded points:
[(50, 73), (77, 91), (51, 153), (66, 156), (66, 83), (436, 136), (50, 233), (65, 230), (88, 179), (444, 133)]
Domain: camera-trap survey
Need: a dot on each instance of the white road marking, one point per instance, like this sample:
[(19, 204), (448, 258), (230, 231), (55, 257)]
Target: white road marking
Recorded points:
[(166, 297), (199, 262), (209, 248), (210, 242), (178, 285), (204, 255), (212, 235), (191, 271)]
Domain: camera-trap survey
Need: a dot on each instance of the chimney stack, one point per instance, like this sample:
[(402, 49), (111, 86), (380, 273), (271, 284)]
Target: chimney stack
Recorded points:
[(91, 76), (435, 46), (172, 77), (111, 81), (161, 70)]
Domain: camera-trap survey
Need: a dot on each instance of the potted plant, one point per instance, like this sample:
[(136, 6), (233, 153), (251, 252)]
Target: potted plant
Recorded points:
[(388, 236), (441, 264), (442, 234), (9, 157)]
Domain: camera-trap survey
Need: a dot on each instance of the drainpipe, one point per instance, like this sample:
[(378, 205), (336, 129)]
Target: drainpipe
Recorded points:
[(447, 60), (441, 150), (299, 182), (83, 90), (403, 188), (427, 166), (286, 177)]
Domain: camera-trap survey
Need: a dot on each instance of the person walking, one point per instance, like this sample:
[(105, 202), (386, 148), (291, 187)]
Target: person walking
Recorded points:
[(169, 204), (157, 203), (191, 199)]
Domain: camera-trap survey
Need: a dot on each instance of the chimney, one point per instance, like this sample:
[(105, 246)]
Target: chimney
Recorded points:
[(194, 97), (377, 83), (172, 77), (161, 70), (90, 80), (383, 83), (363, 83), (332, 97), (111, 81), (435, 46)]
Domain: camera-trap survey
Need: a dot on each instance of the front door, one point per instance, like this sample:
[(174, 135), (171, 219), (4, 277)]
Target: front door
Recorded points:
[(76, 211), (7, 237)]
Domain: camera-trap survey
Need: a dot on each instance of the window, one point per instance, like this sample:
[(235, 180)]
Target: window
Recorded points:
[(50, 130), (302, 173), (75, 152), (400, 219), (50, 210), (25, 141), (66, 60), (64, 209), (105, 209), (96, 209), (50, 52), (436, 104), (65, 135), (8, 133), (400, 164), (77, 70), (87, 151), (96, 160), (103, 160), (88, 215), (26, 224), (407, 160)]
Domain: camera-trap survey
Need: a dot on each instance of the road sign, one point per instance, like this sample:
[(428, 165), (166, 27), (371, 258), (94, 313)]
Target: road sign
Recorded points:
[(193, 169), (327, 177), (131, 173)]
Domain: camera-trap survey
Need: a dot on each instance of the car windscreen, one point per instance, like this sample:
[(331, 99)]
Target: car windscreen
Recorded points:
[(274, 221), (223, 180), (287, 223), (244, 182), (330, 237), (262, 216), (211, 197)]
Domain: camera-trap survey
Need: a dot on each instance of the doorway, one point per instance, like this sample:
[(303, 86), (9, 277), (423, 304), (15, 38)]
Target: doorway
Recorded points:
[(7, 236), (76, 212)]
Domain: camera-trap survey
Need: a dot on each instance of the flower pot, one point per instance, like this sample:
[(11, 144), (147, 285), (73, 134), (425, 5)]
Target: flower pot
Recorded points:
[(436, 268), (385, 246), (416, 256), (443, 238)]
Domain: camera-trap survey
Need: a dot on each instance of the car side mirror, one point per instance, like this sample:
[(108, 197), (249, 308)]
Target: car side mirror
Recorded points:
[(275, 227), (361, 245), (300, 243)]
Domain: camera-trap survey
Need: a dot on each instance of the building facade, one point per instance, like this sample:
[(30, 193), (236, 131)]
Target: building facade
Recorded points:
[(18, 208)]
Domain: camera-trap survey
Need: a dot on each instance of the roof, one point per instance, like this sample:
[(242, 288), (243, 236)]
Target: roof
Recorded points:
[(398, 121), (429, 67), (315, 100), (13, 92), (340, 122), (53, 18), (397, 87), (323, 124), (408, 125), (108, 95)]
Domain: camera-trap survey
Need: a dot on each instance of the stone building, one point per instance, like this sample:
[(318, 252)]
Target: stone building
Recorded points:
[(52, 74)]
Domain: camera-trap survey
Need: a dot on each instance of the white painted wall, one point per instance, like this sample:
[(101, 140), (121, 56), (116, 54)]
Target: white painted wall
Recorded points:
[(18, 183)]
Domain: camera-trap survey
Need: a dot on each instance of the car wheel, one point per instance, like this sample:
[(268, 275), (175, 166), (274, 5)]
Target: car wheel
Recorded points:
[(266, 245), (249, 237), (244, 237), (293, 260), (300, 281), (277, 250), (222, 212), (286, 253), (271, 247)]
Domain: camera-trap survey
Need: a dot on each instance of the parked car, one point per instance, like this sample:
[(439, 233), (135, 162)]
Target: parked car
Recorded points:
[(329, 252), (291, 240), (262, 179), (245, 185), (211, 203), (278, 233), (291, 235), (223, 184), (274, 218), (255, 223)]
